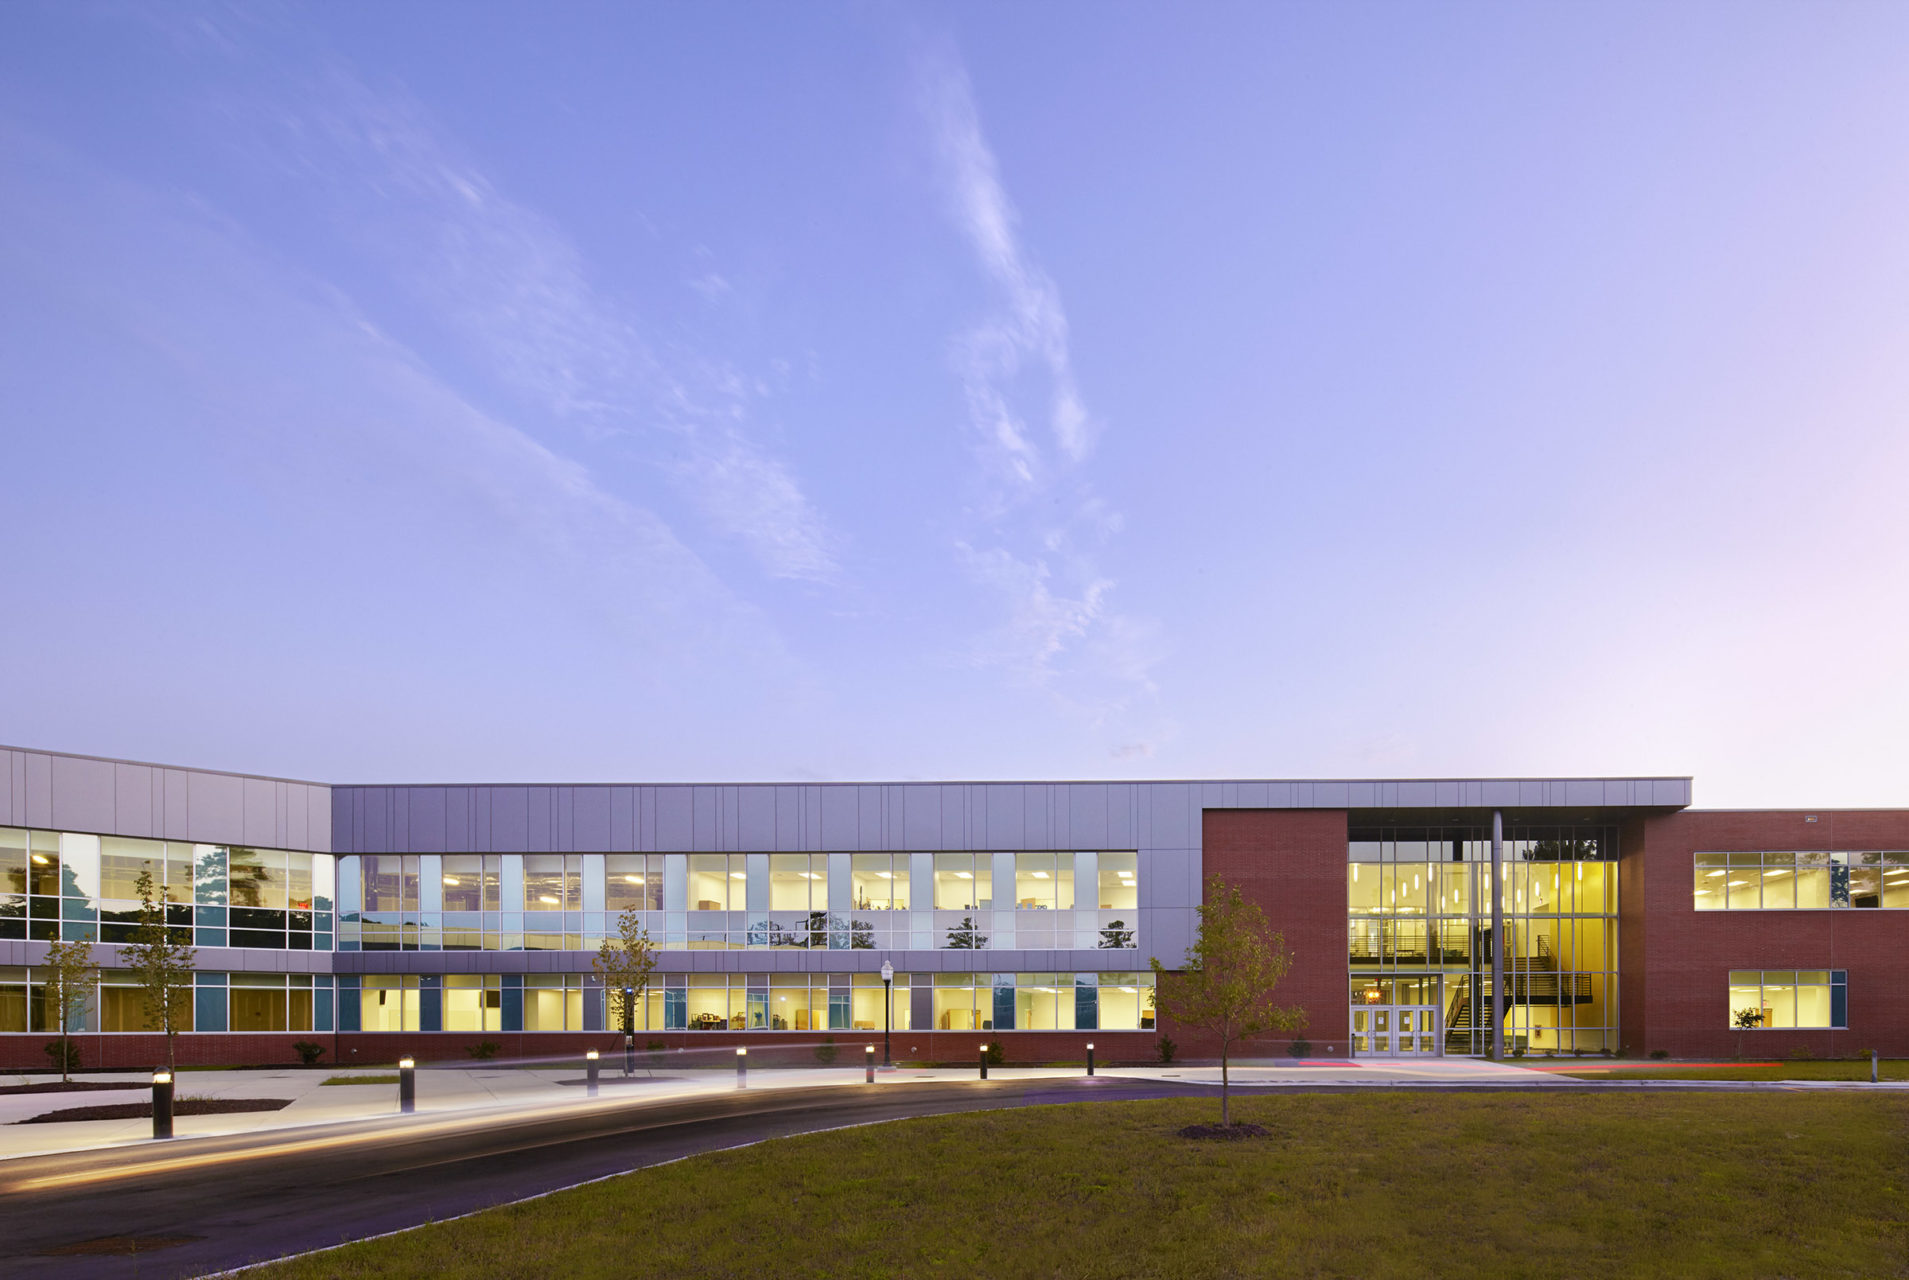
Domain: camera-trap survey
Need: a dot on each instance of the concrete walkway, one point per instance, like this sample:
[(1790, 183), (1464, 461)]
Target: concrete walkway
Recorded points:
[(517, 1090)]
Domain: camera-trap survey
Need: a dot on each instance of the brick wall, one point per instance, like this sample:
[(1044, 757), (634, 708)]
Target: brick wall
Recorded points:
[(352, 1048), (1677, 960), (1292, 862)]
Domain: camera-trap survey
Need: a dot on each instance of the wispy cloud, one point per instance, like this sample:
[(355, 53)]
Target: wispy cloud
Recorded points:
[(288, 371), (1042, 523), (1031, 326), (517, 289)]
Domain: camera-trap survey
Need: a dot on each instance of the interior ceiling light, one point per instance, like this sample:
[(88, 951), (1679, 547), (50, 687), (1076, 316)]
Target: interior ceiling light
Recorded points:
[(450, 879), (41, 858), (1040, 875), (547, 898), (633, 879), (737, 875), (886, 875), (963, 875)]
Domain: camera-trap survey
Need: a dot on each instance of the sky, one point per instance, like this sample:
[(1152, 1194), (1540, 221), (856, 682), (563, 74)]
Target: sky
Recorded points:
[(483, 392)]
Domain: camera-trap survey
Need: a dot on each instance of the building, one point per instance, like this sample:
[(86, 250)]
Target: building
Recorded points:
[(376, 920)]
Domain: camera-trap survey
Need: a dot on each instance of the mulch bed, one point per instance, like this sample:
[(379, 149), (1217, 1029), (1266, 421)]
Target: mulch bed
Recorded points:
[(1224, 1132), (180, 1107), (73, 1086)]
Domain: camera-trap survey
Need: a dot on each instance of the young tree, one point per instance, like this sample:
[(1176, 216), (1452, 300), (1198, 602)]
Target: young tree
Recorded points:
[(70, 978), (1746, 1020), (1226, 986), (162, 966), (624, 964)]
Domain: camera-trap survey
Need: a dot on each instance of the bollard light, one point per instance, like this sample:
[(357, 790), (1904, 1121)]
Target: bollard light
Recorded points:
[(590, 1062), (868, 1065), (407, 1085), (1090, 1057), (162, 1104), (984, 1062), (742, 1067), (1874, 1078)]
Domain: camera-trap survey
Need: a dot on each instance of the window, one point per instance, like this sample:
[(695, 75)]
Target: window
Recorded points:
[(473, 1001), (633, 880), (880, 881), (964, 881), (1126, 1002), (270, 1002), (1788, 999), (1804, 880), (553, 1002), (717, 881), (553, 882), (470, 882), (1044, 881), (963, 1003), (388, 1002), (390, 882), (1119, 881), (798, 882)]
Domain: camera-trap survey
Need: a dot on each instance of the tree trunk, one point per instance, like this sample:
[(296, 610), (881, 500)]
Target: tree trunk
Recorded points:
[(1225, 1114)]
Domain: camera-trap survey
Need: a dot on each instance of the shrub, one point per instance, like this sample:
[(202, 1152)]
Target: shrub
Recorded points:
[(1301, 1048), (65, 1055), (1660, 1053), (997, 1053), (1167, 1048), (1800, 1054), (308, 1053), (825, 1052), (483, 1050)]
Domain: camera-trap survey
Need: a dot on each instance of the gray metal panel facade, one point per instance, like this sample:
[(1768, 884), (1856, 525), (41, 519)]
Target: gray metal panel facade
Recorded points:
[(59, 792)]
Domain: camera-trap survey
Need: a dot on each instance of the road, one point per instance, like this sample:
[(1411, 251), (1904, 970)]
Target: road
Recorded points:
[(251, 1197), (209, 1204)]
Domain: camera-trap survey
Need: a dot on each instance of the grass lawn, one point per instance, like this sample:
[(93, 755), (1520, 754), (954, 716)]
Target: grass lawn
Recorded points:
[(387, 1078), (1365, 1185), (1804, 1069)]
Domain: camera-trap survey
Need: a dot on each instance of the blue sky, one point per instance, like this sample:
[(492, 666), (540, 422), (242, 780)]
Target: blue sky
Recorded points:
[(480, 392)]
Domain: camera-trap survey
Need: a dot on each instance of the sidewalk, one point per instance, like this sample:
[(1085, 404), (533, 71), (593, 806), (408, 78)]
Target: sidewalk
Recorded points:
[(518, 1091)]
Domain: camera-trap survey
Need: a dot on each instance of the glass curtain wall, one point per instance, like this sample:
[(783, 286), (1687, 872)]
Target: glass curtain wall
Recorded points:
[(715, 901), (1420, 914), (85, 887)]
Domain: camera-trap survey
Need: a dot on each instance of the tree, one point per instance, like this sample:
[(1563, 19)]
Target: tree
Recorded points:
[(967, 936), (1231, 970), (624, 963), (1746, 1020), (162, 965), (70, 976)]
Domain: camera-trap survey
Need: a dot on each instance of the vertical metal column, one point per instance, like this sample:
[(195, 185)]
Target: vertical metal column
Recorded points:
[(1498, 933)]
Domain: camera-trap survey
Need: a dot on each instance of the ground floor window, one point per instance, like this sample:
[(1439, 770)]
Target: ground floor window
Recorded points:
[(473, 1002), (1788, 999), (1043, 1001), (389, 1002)]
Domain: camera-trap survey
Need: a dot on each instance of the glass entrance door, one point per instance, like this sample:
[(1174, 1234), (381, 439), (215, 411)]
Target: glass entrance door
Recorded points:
[(1394, 1031)]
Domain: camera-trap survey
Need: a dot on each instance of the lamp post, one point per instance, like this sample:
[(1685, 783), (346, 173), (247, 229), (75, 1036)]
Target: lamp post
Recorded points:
[(888, 1006), (590, 1066), (407, 1085), (162, 1103), (742, 1067)]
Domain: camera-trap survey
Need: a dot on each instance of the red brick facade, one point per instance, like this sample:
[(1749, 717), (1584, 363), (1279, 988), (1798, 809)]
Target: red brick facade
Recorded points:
[(1677, 960), (1292, 862), (355, 1048)]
